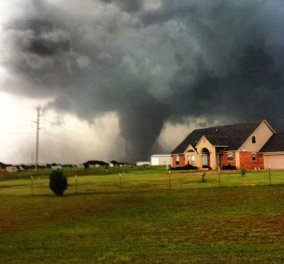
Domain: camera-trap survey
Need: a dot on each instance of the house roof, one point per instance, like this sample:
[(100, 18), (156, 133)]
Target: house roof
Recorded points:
[(2, 165), (231, 136), (274, 144)]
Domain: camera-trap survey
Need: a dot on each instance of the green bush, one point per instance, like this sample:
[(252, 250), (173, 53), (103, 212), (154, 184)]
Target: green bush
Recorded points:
[(229, 167), (58, 182), (243, 171)]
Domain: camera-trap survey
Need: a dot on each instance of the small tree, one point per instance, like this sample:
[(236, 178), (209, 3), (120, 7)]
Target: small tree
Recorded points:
[(243, 171), (58, 182), (203, 177)]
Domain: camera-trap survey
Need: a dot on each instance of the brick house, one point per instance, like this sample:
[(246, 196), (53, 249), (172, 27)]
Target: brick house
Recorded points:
[(253, 145)]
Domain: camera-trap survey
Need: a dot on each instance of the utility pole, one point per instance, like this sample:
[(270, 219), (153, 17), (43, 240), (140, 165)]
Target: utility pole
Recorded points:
[(37, 137)]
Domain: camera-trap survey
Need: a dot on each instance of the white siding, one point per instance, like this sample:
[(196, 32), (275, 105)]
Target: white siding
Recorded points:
[(157, 160), (11, 169)]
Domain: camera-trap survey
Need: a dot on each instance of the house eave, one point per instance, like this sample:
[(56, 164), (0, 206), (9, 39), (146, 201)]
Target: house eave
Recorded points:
[(269, 126), (271, 153), (201, 138), (190, 147)]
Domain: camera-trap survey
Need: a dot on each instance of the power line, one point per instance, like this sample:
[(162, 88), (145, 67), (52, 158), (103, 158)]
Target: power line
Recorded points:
[(126, 150), (37, 136), (15, 133)]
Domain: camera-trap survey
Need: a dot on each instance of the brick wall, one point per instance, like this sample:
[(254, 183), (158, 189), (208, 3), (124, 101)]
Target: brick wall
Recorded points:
[(248, 163), (181, 162), (225, 161)]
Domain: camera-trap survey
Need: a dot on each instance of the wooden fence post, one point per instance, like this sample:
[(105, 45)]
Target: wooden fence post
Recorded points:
[(76, 183), (32, 185), (120, 184), (269, 172), (170, 184), (219, 178)]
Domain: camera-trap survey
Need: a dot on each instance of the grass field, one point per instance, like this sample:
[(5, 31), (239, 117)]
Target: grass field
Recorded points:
[(144, 216)]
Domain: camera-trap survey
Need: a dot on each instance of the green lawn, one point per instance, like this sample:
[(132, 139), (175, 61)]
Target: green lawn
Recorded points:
[(138, 217), (135, 179)]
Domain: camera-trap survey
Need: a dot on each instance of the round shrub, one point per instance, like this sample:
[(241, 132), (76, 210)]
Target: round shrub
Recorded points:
[(58, 182)]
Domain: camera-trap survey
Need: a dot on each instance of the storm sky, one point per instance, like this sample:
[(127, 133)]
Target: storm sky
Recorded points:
[(147, 64)]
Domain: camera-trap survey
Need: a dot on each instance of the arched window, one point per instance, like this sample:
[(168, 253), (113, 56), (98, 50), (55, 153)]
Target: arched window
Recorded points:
[(205, 157), (253, 140), (230, 156), (177, 159), (253, 157)]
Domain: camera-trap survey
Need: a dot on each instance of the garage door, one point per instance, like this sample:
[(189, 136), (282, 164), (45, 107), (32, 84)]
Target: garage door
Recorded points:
[(274, 161)]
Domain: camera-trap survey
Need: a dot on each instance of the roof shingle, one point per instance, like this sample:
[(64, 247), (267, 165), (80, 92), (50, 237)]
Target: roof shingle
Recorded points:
[(274, 144), (232, 136)]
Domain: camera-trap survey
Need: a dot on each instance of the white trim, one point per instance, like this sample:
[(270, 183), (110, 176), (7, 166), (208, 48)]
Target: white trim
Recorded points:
[(203, 137), (190, 147), (272, 153), (269, 126)]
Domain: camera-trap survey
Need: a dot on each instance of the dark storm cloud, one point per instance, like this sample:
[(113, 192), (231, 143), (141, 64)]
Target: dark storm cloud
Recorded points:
[(150, 64), (43, 38), (236, 66), (126, 5)]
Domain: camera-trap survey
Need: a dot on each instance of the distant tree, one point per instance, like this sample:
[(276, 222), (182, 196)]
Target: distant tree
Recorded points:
[(58, 182)]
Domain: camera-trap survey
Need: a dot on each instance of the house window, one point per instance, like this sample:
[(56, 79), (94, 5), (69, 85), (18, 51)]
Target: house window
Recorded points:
[(177, 160), (193, 160), (230, 156), (253, 157), (253, 140)]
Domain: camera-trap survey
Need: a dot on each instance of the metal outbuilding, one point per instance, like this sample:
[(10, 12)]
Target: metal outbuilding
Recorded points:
[(160, 159)]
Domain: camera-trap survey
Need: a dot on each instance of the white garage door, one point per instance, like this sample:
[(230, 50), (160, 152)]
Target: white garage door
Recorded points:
[(274, 161)]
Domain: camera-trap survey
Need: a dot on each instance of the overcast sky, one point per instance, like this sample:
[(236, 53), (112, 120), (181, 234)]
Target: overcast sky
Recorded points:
[(146, 72)]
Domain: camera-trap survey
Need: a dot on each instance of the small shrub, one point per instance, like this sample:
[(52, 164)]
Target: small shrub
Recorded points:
[(186, 167), (229, 167), (243, 171), (58, 182)]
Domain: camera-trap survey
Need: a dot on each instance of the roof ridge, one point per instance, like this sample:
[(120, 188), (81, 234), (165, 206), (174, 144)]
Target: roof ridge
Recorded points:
[(228, 125)]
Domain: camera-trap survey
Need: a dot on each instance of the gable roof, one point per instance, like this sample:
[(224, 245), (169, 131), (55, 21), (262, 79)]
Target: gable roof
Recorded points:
[(274, 144), (231, 136)]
